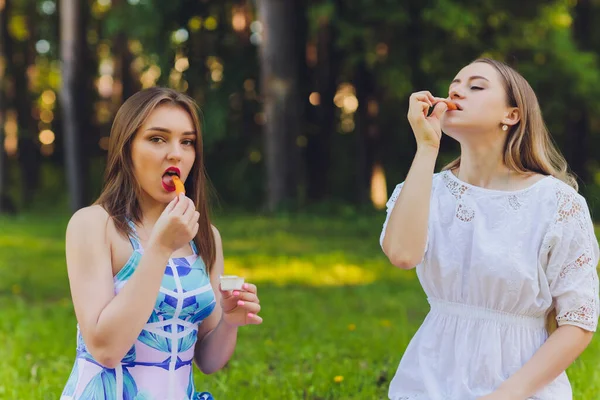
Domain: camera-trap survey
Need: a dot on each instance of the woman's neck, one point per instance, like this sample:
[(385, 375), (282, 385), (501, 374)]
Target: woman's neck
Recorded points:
[(484, 166), (150, 212)]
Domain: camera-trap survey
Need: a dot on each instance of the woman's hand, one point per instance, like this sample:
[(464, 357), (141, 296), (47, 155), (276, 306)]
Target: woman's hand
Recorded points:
[(177, 225), (240, 307), (427, 129)]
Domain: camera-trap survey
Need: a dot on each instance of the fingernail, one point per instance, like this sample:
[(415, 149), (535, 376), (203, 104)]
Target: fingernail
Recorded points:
[(245, 286), (236, 293), (240, 303), (250, 315)]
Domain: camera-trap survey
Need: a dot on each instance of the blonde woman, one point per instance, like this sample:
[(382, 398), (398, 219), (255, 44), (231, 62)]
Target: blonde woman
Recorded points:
[(501, 241), (144, 264)]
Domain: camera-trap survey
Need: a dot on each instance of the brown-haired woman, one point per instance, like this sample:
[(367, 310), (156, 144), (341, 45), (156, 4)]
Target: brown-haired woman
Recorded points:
[(144, 264), (501, 241)]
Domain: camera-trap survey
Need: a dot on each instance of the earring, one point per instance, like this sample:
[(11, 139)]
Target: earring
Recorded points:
[(505, 127)]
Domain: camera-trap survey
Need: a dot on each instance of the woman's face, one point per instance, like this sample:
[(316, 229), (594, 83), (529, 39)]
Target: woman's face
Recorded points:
[(481, 98), (165, 145)]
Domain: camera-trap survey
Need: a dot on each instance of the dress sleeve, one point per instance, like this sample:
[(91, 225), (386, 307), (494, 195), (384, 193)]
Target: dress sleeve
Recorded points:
[(390, 207), (572, 261)]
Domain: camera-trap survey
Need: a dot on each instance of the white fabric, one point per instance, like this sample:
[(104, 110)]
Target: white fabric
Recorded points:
[(495, 265)]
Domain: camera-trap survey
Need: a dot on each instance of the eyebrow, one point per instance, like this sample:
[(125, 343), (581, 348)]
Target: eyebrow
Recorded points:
[(470, 79), (165, 130)]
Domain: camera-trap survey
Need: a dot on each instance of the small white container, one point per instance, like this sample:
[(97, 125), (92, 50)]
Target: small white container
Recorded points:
[(231, 282)]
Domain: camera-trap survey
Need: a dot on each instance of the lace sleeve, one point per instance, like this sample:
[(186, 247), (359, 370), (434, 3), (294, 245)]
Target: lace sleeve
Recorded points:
[(390, 206), (573, 258)]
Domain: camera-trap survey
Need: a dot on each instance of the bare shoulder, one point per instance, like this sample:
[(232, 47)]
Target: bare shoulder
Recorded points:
[(218, 267), (217, 236), (88, 221), (88, 249)]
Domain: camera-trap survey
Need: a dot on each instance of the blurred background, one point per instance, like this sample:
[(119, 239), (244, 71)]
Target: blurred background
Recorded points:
[(304, 106)]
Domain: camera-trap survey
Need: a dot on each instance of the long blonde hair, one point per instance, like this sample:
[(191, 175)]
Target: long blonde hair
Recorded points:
[(121, 190), (529, 146)]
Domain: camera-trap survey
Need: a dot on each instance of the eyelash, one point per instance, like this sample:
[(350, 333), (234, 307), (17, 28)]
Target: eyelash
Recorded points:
[(476, 88), (187, 142)]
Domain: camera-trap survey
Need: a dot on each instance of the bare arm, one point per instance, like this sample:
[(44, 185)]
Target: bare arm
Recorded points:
[(216, 340), (406, 231), (552, 359), (217, 335), (111, 323)]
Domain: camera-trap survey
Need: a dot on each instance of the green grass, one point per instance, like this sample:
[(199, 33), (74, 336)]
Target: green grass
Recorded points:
[(332, 307)]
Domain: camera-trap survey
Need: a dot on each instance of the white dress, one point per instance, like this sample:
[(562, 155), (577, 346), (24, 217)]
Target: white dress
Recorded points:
[(495, 265)]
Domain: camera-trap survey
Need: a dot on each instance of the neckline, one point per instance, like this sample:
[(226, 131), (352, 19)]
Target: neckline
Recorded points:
[(191, 259), (137, 245), (453, 177)]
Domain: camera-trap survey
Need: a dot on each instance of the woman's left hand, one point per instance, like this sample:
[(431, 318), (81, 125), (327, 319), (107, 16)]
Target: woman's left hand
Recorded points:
[(240, 307)]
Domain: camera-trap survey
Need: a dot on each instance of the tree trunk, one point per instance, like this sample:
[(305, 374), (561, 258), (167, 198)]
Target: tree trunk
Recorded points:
[(279, 77), (3, 163), (319, 144), (578, 126), (71, 51), (124, 58), (364, 141), (29, 157)]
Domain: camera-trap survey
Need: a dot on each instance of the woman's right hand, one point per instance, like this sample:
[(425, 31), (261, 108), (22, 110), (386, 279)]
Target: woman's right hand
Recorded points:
[(177, 225), (427, 129)]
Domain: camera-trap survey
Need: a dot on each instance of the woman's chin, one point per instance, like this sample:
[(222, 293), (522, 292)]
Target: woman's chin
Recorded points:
[(452, 131)]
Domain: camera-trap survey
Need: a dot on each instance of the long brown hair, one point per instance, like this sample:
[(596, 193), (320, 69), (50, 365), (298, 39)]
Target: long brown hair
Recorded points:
[(121, 190), (529, 146)]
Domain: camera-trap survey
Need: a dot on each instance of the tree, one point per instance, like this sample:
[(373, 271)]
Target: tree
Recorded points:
[(279, 76), (322, 117), (71, 51), (3, 163)]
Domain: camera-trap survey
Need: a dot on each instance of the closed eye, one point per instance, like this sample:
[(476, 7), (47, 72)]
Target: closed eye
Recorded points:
[(476, 88)]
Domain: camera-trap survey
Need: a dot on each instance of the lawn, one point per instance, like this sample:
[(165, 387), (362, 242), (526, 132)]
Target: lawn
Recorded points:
[(337, 315)]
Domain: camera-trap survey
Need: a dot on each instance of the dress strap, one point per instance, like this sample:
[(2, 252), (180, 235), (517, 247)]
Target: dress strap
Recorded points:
[(135, 241), (194, 248), (133, 237)]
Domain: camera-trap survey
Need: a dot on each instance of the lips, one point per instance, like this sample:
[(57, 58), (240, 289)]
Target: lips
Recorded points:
[(167, 178), (453, 106)]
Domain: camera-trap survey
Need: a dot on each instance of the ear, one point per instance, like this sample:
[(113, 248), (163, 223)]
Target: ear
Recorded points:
[(511, 117)]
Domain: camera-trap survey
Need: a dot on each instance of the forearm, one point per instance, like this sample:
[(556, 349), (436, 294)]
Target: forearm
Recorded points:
[(123, 318), (552, 359), (216, 348), (406, 232)]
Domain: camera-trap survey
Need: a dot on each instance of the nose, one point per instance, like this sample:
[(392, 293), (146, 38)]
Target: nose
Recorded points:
[(175, 152), (456, 92)]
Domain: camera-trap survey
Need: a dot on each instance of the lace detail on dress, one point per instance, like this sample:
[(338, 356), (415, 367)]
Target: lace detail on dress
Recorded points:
[(455, 188), (568, 206), (583, 262), (513, 202), (463, 211), (574, 258), (584, 316)]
